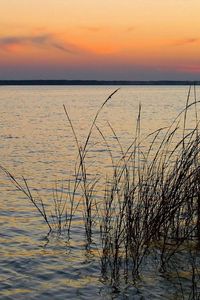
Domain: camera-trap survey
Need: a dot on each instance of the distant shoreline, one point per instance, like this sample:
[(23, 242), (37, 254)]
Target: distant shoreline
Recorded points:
[(98, 82)]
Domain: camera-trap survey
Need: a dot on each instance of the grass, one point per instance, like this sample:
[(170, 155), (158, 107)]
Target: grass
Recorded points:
[(151, 201)]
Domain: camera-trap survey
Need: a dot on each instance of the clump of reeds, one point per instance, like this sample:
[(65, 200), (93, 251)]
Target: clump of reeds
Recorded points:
[(152, 200)]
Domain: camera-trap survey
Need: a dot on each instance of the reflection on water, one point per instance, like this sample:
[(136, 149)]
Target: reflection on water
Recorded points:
[(37, 142)]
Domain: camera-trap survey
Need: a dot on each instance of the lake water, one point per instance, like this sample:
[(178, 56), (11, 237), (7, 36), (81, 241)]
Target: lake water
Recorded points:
[(37, 143)]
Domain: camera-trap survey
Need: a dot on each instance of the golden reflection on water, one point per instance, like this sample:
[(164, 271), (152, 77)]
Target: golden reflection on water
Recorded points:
[(17, 292), (81, 281)]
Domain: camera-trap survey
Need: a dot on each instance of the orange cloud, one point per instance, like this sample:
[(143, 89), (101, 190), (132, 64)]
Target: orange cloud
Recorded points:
[(10, 43), (186, 41), (130, 29), (91, 28)]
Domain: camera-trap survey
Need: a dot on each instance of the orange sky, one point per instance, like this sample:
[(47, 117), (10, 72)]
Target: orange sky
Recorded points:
[(93, 39)]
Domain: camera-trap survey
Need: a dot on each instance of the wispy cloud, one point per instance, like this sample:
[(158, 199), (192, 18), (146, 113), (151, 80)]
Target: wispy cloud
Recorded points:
[(130, 29), (42, 40), (95, 29), (186, 41), (189, 68), (91, 28)]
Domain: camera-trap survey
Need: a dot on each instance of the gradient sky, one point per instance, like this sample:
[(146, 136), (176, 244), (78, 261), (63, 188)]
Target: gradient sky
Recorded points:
[(93, 39)]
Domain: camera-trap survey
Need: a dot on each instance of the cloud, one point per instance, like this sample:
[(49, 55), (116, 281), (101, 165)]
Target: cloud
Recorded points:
[(130, 29), (190, 68), (41, 40), (186, 41), (97, 29), (91, 28)]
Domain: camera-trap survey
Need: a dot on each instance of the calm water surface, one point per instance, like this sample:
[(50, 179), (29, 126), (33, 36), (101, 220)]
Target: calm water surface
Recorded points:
[(37, 142)]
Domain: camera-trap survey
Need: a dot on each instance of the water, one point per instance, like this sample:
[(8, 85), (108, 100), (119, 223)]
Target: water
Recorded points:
[(37, 142)]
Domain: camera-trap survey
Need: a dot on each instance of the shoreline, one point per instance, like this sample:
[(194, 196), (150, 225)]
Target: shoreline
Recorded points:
[(98, 82)]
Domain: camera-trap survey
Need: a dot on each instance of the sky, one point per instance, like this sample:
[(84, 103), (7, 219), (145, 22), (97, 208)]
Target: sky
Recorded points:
[(98, 39)]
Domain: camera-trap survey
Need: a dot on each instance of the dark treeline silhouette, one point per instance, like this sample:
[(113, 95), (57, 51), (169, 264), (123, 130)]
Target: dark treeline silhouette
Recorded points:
[(97, 82)]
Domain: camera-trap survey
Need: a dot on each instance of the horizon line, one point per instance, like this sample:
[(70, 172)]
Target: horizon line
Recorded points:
[(95, 82)]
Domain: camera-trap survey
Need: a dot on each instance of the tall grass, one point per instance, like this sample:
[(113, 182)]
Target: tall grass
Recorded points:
[(151, 198)]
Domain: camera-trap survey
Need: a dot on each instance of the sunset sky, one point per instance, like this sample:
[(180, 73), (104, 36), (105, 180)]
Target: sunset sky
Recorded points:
[(93, 39)]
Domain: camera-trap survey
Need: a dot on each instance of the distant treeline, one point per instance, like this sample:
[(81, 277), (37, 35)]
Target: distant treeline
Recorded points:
[(96, 82)]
